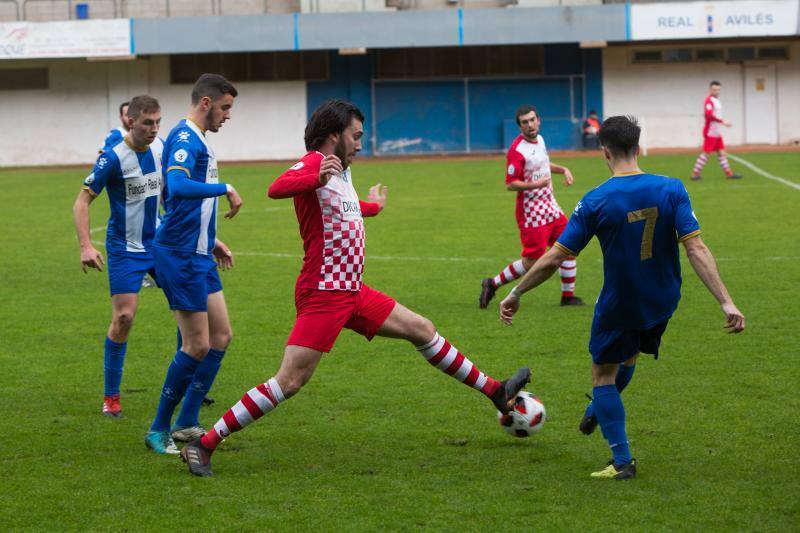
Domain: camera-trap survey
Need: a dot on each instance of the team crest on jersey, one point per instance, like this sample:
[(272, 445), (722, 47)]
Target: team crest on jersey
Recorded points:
[(183, 137), (181, 155), (102, 162), (511, 170), (89, 179), (297, 166)]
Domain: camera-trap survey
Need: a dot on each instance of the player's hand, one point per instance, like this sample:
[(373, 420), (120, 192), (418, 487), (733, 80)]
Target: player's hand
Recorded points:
[(726, 124), (508, 308), (91, 258), (330, 166), (734, 319), (377, 195), (223, 255), (234, 200), (568, 179)]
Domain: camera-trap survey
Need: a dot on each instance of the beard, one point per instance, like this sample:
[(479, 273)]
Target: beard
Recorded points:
[(340, 151)]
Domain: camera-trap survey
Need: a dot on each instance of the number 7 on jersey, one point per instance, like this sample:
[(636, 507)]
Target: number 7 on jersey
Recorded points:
[(649, 215)]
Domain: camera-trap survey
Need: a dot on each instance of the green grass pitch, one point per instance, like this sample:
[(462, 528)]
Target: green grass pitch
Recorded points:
[(378, 439)]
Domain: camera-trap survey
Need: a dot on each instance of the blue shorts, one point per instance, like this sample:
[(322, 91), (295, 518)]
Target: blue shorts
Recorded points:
[(618, 345), (187, 278), (126, 272)]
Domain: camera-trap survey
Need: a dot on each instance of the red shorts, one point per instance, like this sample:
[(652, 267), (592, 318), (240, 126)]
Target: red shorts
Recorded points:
[(321, 315), (712, 144), (536, 241)]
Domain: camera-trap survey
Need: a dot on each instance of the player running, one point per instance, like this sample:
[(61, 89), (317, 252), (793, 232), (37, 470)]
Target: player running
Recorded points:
[(131, 172), (115, 136), (185, 246), (639, 220), (712, 134), (329, 294), (539, 217)]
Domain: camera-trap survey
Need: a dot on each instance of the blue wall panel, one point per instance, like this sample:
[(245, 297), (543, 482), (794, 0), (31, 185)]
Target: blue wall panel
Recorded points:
[(418, 117), (491, 102), (350, 79), (593, 69)]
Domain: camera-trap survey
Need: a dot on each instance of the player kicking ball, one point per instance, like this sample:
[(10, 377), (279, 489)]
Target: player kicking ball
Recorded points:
[(539, 216), (639, 219), (329, 294)]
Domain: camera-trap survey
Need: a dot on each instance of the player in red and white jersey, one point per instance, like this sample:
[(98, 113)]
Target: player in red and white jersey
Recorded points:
[(539, 217), (712, 134), (330, 294)]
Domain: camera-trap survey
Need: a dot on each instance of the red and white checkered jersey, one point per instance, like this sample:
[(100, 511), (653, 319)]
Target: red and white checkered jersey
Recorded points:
[(529, 162), (331, 225), (713, 115)]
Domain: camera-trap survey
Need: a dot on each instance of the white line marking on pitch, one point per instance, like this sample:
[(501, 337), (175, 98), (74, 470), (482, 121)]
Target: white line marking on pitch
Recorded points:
[(764, 173)]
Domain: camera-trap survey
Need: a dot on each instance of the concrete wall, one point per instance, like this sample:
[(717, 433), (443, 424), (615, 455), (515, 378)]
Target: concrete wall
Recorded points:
[(66, 123), (669, 96)]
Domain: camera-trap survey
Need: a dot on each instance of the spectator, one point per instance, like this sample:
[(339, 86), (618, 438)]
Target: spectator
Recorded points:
[(591, 128)]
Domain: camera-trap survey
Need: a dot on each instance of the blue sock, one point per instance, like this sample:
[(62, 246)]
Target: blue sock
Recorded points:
[(624, 375), (179, 374), (114, 359), (610, 414), (201, 384)]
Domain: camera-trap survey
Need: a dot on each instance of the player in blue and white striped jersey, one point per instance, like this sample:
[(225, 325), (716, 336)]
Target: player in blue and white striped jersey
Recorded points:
[(115, 136), (185, 251), (131, 173)]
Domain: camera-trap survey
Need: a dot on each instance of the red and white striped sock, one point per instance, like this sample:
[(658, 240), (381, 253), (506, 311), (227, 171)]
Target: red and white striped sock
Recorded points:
[(509, 273), (568, 270), (723, 162), (254, 404), (449, 360), (702, 159)]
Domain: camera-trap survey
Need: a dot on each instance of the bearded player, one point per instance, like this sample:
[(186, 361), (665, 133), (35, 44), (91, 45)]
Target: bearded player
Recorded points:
[(539, 216), (329, 294)]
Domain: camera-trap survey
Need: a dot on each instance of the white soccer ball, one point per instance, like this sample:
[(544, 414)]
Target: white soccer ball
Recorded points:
[(526, 418)]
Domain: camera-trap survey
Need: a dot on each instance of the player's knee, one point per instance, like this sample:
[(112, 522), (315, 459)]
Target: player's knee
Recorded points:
[(220, 340), (422, 329), (196, 350), (123, 321), (292, 383)]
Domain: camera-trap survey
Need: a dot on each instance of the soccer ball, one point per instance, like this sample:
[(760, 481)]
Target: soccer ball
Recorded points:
[(526, 418)]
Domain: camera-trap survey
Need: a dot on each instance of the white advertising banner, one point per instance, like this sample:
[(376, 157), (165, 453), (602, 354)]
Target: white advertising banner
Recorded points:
[(78, 38), (698, 20)]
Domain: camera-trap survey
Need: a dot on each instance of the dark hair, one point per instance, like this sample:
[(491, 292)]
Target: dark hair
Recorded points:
[(213, 86), (333, 116), (592, 112), (122, 106), (524, 110), (142, 104), (715, 82), (620, 135)]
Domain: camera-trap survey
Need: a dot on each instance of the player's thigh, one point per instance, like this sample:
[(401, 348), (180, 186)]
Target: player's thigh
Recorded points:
[(297, 367), (321, 316), (193, 326), (604, 374), (372, 309), (183, 278), (219, 325), (124, 306), (534, 242), (403, 323), (126, 272)]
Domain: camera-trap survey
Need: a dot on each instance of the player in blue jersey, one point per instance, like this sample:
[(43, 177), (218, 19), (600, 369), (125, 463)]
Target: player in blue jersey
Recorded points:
[(185, 250), (115, 136), (131, 173), (639, 219)]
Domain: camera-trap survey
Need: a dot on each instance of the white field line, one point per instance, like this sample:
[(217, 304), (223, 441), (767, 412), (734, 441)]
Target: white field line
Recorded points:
[(448, 259), (764, 173)]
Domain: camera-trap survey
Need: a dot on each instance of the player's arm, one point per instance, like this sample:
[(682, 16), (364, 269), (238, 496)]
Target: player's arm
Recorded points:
[(376, 201), (90, 256), (558, 169), (181, 162), (307, 175), (542, 269), (705, 266), (711, 117), (515, 174)]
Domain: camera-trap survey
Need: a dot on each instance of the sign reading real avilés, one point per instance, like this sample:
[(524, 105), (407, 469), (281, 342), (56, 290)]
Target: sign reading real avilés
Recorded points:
[(698, 20), (80, 38)]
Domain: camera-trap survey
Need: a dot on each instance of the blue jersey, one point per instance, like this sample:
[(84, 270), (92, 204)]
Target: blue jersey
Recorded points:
[(113, 138), (639, 220), (190, 223), (134, 182)]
